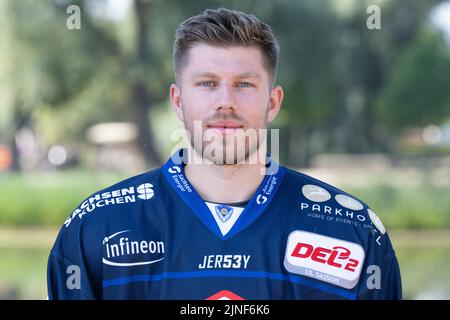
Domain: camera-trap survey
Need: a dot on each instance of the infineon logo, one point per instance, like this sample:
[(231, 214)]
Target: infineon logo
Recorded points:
[(324, 258), (121, 249), (115, 197)]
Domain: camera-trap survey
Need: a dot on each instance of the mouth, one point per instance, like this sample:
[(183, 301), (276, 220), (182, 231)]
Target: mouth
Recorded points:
[(225, 125)]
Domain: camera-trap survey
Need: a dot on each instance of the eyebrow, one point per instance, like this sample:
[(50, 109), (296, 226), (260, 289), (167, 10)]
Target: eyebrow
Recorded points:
[(239, 76)]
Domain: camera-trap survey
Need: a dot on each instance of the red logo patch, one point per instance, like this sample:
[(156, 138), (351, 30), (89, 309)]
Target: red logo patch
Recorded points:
[(225, 295)]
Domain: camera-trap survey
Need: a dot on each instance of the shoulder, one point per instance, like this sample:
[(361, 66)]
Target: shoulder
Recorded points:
[(318, 191), (120, 196), (104, 209), (338, 212)]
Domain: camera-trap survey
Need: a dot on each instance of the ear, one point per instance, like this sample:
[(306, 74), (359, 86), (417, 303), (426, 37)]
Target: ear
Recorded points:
[(276, 96), (175, 99)]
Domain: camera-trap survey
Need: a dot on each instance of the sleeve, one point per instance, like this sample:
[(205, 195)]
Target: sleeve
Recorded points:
[(74, 265), (382, 279), (66, 280), (383, 283)]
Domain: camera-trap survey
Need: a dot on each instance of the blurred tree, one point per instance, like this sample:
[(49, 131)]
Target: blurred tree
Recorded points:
[(308, 33), (366, 58), (341, 79), (75, 72), (417, 90), (331, 106)]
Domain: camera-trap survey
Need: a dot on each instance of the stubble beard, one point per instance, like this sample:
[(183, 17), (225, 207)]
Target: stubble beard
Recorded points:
[(231, 148)]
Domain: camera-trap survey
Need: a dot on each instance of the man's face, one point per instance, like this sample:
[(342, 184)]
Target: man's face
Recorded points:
[(226, 94)]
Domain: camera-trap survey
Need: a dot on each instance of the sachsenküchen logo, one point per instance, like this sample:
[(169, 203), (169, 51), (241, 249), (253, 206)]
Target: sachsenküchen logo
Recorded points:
[(113, 197), (121, 250)]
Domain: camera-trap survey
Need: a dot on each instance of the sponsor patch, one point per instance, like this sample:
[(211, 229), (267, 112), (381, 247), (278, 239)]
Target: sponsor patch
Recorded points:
[(348, 202), (323, 258), (376, 221), (315, 193), (260, 199), (121, 249), (110, 198)]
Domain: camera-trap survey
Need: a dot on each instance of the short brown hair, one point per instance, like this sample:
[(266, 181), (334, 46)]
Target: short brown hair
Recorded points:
[(224, 27)]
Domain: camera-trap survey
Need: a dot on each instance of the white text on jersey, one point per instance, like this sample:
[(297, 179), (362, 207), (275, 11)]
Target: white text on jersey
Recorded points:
[(227, 261)]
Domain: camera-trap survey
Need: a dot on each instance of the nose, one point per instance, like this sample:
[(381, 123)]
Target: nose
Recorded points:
[(225, 99)]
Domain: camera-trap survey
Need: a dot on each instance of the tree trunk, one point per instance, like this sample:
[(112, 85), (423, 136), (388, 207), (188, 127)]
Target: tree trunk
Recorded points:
[(146, 144), (21, 119), (141, 99)]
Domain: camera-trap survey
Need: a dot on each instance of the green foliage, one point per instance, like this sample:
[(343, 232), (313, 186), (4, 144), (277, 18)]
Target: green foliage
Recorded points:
[(422, 206), (308, 33), (39, 199), (48, 200), (417, 90), (23, 273), (417, 282), (344, 84)]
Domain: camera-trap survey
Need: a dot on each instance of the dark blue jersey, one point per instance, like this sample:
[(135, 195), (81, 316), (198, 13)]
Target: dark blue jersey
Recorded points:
[(153, 237)]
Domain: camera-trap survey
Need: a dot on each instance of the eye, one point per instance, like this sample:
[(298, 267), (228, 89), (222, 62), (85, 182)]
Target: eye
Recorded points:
[(244, 85), (207, 84)]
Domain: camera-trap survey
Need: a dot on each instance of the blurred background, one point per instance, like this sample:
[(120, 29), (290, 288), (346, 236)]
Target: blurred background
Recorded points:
[(366, 109)]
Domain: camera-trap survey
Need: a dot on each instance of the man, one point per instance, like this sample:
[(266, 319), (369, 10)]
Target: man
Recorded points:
[(217, 221)]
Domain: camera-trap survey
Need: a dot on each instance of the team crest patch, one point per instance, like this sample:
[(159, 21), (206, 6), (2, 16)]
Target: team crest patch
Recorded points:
[(224, 212)]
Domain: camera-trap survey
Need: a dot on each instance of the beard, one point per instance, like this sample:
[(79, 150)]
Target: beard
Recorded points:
[(235, 147), (232, 147)]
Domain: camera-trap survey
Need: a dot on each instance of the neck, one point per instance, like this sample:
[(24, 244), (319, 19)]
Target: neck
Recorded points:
[(224, 183)]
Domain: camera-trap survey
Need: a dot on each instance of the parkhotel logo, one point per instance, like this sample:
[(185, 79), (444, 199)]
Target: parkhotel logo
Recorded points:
[(229, 146)]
